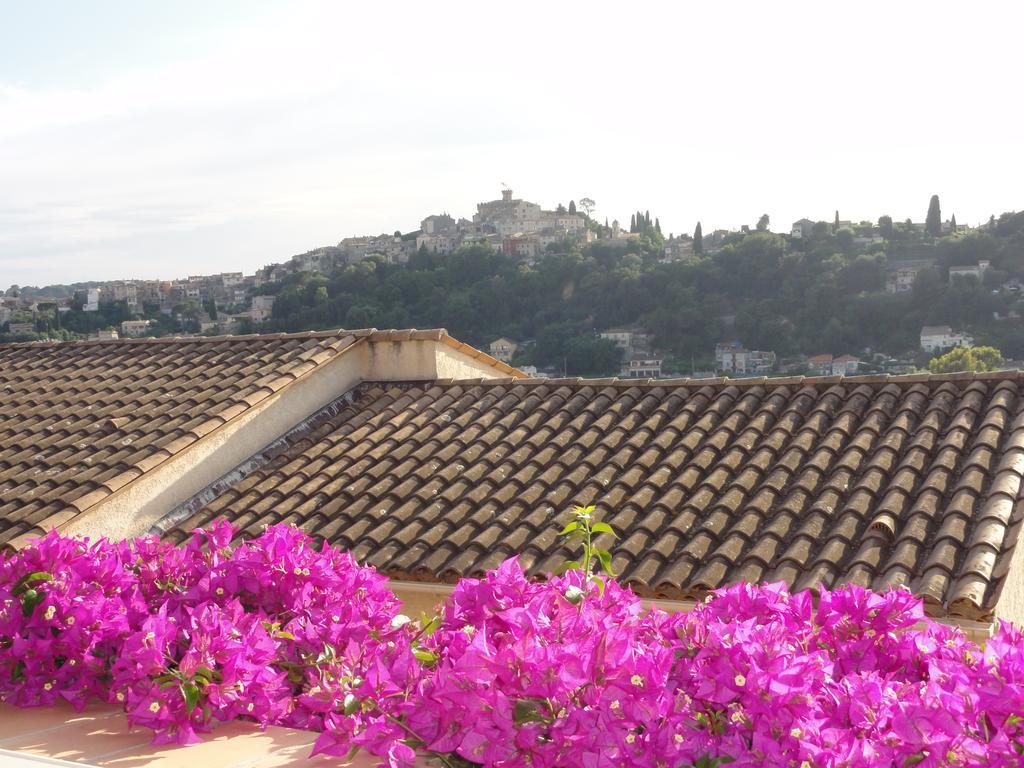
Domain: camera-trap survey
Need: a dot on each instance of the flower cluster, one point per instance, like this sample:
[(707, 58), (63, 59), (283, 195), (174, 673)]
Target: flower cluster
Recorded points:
[(572, 672), (276, 630), (567, 673)]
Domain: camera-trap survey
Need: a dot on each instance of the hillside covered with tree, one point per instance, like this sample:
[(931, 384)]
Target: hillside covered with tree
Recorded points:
[(824, 292)]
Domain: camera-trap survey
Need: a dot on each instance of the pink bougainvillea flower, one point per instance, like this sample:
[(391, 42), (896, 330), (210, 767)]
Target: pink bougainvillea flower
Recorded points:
[(563, 673)]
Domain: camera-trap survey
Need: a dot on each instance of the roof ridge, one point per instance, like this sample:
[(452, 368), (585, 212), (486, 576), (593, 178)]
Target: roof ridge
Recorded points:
[(749, 381), (370, 333)]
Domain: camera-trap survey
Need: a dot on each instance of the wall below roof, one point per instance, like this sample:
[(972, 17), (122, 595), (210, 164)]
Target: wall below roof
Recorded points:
[(1010, 599), (429, 359), (134, 509), (425, 597)]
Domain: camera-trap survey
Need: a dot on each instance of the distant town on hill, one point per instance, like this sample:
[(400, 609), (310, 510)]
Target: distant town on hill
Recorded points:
[(564, 291)]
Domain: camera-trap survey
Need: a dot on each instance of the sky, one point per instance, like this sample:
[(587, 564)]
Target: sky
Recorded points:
[(145, 139)]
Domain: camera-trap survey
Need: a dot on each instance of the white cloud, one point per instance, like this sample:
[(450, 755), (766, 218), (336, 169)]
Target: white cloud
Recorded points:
[(319, 120)]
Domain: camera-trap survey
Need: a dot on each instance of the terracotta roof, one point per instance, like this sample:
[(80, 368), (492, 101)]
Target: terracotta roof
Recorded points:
[(909, 480), (80, 420)]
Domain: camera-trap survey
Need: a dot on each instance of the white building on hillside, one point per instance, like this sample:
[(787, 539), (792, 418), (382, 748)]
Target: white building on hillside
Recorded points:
[(437, 243), (935, 338), (441, 224), (629, 340), (570, 222), (262, 308), (977, 271), (802, 228), (901, 275), (135, 327), (92, 300), (845, 365), (509, 217), (503, 349), (642, 369), (733, 357)]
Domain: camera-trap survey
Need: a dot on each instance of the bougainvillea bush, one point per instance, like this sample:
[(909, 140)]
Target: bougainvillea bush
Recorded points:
[(571, 672)]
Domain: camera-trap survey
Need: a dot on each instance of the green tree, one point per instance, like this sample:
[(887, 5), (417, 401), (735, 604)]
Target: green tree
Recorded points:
[(588, 205), (977, 359), (952, 223), (933, 222), (762, 223), (572, 206), (632, 223), (885, 227)]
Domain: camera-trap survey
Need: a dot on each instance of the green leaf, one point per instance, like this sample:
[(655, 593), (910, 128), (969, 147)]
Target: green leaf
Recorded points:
[(572, 565), (589, 510), (430, 624), (352, 704), (191, 693), (569, 528), (207, 674), (427, 657), (606, 560), (294, 672), (526, 712), (574, 595), (600, 584), (24, 581), (30, 600), (603, 528)]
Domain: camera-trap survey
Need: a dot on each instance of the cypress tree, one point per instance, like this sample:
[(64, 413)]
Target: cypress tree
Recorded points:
[(572, 206), (698, 240), (933, 222), (657, 226), (647, 218), (835, 226), (632, 223), (952, 223)]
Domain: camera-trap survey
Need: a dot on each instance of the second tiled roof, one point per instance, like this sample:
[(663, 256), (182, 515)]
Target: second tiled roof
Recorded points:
[(905, 481)]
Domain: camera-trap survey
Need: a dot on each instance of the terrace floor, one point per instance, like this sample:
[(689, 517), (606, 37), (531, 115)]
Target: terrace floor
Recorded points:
[(101, 737)]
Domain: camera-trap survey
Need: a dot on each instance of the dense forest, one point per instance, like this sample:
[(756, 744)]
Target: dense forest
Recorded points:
[(797, 296)]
